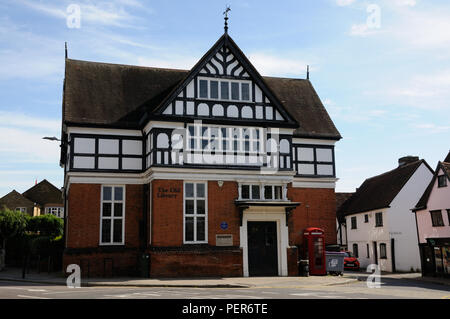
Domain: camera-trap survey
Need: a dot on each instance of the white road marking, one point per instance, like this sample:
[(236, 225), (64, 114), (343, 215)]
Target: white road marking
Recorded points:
[(271, 293), (306, 294), (78, 290), (38, 290), (316, 295), (33, 297), (146, 294)]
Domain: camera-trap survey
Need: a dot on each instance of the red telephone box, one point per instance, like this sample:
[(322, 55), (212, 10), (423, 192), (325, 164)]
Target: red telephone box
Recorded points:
[(314, 250)]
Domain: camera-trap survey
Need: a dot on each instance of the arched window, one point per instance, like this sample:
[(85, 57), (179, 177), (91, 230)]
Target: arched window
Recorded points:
[(247, 112), (232, 111), (162, 141), (177, 141), (284, 146), (271, 145), (217, 110), (203, 109)]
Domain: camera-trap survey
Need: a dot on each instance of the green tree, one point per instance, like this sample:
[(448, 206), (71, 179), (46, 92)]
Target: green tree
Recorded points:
[(46, 225), (11, 224)]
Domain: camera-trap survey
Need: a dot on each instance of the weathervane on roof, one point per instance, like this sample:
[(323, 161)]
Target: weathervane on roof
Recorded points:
[(226, 18)]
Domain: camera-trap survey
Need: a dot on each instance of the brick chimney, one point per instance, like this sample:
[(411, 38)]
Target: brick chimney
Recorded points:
[(407, 159)]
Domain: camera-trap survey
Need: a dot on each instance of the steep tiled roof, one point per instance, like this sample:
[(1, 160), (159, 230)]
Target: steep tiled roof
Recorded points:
[(14, 199), (115, 95), (423, 201), (341, 198), (44, 193), (379, 191)]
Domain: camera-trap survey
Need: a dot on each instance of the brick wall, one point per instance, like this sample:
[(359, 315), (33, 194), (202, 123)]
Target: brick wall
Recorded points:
[(321, 212), (221, 208), (201, 263), (167, 213), (83, 216), (83, 231)]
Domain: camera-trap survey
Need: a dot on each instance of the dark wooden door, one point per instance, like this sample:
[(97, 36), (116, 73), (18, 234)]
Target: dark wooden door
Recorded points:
[(428, 264), (262, 248), (375, 253)]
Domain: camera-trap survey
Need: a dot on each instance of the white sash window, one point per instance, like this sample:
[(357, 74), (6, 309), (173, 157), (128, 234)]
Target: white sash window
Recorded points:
[(195, 213), (112, 222)]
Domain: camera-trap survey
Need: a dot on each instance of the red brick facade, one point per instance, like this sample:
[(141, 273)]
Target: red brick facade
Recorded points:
[(83, 232), (317, 209), (168, 256)]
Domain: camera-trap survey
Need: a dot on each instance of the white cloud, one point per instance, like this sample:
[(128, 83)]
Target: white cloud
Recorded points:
[(174, 62), (277, 66), (362, 30), (431, 128), (22, 139), (28, 55), (344, 3), (352, 114), (424, 26), (410, 3), (15, 119), (107, 13), (427, 91)]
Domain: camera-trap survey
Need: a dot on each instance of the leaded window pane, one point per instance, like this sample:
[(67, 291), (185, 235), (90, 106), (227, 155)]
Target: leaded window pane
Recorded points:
[(106, 230), (118, 209), (117, 231), (106, 209), (214, 90), (224, 90), (200, 228), (245, 91), (203, 88), (189, 229), (107, 193), (234, 91)]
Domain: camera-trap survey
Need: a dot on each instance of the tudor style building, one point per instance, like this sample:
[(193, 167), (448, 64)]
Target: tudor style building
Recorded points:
[(215, 170)]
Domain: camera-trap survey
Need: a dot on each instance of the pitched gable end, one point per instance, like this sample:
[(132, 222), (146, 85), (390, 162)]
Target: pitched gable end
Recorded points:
[(224, 85)]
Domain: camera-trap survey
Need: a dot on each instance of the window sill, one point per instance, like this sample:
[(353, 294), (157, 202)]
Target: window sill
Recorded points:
[(111, 245)]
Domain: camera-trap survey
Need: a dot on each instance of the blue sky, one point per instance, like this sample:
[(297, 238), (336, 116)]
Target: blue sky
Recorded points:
[(383, 75)]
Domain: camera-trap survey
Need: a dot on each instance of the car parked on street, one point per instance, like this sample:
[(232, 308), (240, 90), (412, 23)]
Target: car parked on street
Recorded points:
[(350, 261)]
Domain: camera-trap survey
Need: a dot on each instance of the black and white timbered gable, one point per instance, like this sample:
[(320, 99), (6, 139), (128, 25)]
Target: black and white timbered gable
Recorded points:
[(221, 114), (224, 86)]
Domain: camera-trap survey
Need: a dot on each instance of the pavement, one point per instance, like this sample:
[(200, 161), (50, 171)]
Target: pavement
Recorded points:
[(15, 274)]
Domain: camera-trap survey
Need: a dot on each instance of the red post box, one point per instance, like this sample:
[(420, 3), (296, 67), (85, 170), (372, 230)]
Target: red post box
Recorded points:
[(314, 250)]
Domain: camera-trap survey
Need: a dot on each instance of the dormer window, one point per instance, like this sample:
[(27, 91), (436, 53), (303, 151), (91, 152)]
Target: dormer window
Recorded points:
[(215, 89), (442, 181)]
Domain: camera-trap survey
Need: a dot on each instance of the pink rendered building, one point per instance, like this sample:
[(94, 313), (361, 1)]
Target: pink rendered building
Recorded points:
[(433, 223)]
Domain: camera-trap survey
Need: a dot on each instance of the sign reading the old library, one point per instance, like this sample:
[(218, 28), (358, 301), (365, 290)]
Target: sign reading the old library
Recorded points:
[(171, 192)]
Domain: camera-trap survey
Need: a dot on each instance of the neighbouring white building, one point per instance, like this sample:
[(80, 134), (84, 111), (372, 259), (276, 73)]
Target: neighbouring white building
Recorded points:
[(380, 227)]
